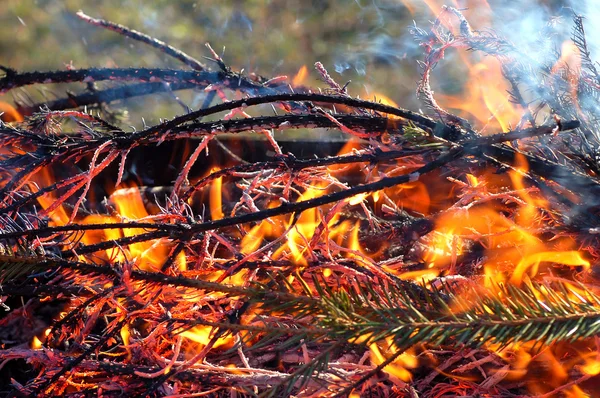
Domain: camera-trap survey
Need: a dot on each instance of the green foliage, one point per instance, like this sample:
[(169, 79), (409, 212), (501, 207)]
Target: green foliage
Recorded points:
[(453, 316), (16, 266), (469, 315)]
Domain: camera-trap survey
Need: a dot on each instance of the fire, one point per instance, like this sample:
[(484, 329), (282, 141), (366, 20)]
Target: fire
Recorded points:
[(149, 255), (9, 113), (400, 367), (491, 225), (444, 248), (216, 202), (568, 66), (485, 97), (301, 231), (129, 206), (511, 245), (36, 343), (45, 178), (532, 262), (569, 57), (385, 100), (300, 77), (413, 195), (203, 335), (478, 13)]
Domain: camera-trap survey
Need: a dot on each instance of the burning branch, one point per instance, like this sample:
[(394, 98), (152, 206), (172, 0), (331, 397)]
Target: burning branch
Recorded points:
[(420, 246)]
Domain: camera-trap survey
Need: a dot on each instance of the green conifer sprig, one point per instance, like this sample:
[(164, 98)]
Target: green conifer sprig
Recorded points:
[(470, 315), (451, 315)]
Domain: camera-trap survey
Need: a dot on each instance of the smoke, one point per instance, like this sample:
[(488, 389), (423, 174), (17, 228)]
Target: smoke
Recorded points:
[(533, 26)]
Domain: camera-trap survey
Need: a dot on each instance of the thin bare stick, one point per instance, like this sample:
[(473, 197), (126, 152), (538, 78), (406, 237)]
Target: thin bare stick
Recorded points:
[(144, 38)]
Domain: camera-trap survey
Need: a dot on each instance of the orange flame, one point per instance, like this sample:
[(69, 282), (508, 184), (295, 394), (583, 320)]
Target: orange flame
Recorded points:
[(128, 202), (300, 77), (216, 202), (45, 178), (485, 98), (152, 254), (512, 247), (9, 113), (36, 343)]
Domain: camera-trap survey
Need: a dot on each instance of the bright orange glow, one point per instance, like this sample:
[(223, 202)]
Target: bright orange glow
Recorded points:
[(349, 147), (36, 343), (478, 12), (518, 357), (181, 262), (479, 228), (45, 178), (412, 195), (485, 97), (547, 369), (399, 368), (152, 254), (591, 367), (530, 211), (424, 276), (95, 236), (557, 373), (512, 248), (300, 76), (569, 57), (444, 247), (385, 100), (302, 232), (473, 181), (9, 113), (125, 333), (216, 202)]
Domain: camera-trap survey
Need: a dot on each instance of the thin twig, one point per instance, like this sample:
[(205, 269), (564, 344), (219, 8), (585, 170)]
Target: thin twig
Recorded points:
[(144, 38)]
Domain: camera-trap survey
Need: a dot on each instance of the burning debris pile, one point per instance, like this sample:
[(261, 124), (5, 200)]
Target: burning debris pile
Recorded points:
[(423, 256)]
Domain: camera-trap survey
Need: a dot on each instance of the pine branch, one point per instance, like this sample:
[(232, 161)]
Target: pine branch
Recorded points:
[(199, 79), (547, 313), (473, 316), (105, 96), (580, 41)]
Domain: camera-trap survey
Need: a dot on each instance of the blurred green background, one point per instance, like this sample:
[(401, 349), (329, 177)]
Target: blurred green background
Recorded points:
[(365, 41)]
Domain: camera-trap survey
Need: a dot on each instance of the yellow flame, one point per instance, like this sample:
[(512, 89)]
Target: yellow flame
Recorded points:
[(203, 334), (443, 247), (591, 367), (400, 366), (531, 263), (149, 255), (36, 343), (302, 232)]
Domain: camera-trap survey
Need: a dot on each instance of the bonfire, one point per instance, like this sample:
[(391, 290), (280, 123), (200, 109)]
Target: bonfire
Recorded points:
[(429, 253)]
